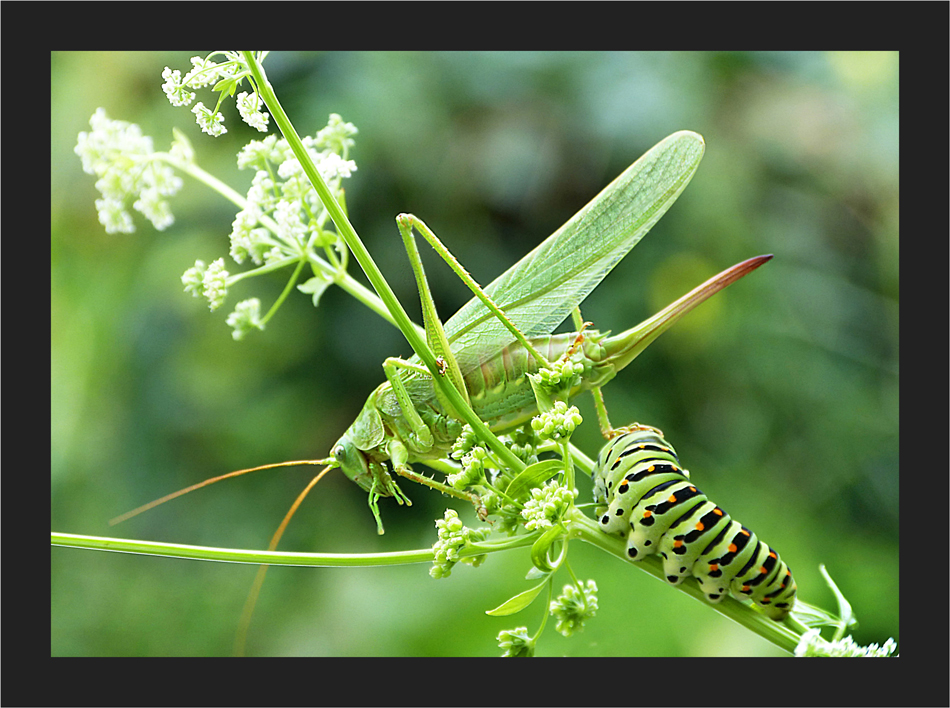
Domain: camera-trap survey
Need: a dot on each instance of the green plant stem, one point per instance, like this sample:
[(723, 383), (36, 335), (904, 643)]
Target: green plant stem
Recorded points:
[(232, 555), (581, 459), (547, 604), (783, 634), (206, 178), (283, 296), (375, 276)]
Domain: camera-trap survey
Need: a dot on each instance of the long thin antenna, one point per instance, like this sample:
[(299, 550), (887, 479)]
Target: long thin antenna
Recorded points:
[(241, 638), (212, 480)]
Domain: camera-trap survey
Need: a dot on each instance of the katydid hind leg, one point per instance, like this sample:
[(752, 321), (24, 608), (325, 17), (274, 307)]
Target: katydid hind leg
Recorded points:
[(435, 333), (474, 499), (409, 221)]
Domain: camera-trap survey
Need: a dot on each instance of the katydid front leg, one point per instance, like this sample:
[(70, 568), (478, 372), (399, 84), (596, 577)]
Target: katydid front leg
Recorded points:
[(374, 496), (420, 438)]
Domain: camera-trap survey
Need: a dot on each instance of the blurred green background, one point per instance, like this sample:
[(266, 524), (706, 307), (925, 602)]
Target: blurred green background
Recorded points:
[(781, 394)]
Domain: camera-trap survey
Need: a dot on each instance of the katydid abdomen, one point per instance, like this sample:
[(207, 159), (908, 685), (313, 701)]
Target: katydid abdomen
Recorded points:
[(499, 388)]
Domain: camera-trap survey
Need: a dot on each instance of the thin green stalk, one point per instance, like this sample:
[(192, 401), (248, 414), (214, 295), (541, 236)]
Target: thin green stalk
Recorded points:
[(283, 296), (375, 276), (232, 555), (581, 459), (206, 178)]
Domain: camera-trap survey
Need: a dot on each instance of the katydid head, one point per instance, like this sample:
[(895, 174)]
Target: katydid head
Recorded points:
[(353, 462)]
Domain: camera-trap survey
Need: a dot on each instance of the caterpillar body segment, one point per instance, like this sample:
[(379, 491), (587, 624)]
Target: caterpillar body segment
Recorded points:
[(645, 495)]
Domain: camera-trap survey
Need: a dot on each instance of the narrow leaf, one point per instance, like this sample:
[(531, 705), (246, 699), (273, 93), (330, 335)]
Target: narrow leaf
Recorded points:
[(516, 603), (315, 287), (533, 476)]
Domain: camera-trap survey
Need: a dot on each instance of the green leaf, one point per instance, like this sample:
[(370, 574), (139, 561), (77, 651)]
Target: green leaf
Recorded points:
[(225, 85), (315, 287), (535, 574), (848, 620), (533, 476), (814, 617), (516, 603), (539, 551)]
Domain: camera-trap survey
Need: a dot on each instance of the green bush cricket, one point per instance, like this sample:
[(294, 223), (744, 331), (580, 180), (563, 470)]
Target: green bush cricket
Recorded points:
[(481, 357), (487, 348), (475, 368)]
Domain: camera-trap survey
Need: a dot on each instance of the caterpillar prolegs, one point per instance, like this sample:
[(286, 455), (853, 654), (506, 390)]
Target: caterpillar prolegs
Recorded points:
[(646, 495)]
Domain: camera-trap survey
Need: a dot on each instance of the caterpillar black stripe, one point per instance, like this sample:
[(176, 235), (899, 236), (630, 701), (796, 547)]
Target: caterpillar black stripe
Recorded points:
[(648, 497)]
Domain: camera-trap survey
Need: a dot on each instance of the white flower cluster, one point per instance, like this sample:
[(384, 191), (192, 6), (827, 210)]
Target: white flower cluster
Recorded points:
[(558, 423), (574, 607), (283, 222), (811, 644), (209, 281), (547, 505), (453, 537), (472, 471), (516, 642), (246, 316), (290, 199), (205, 72), (283, 219), (122, 158)]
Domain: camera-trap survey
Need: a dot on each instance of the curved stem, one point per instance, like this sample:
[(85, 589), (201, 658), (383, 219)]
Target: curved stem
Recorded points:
[(283, 296)]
